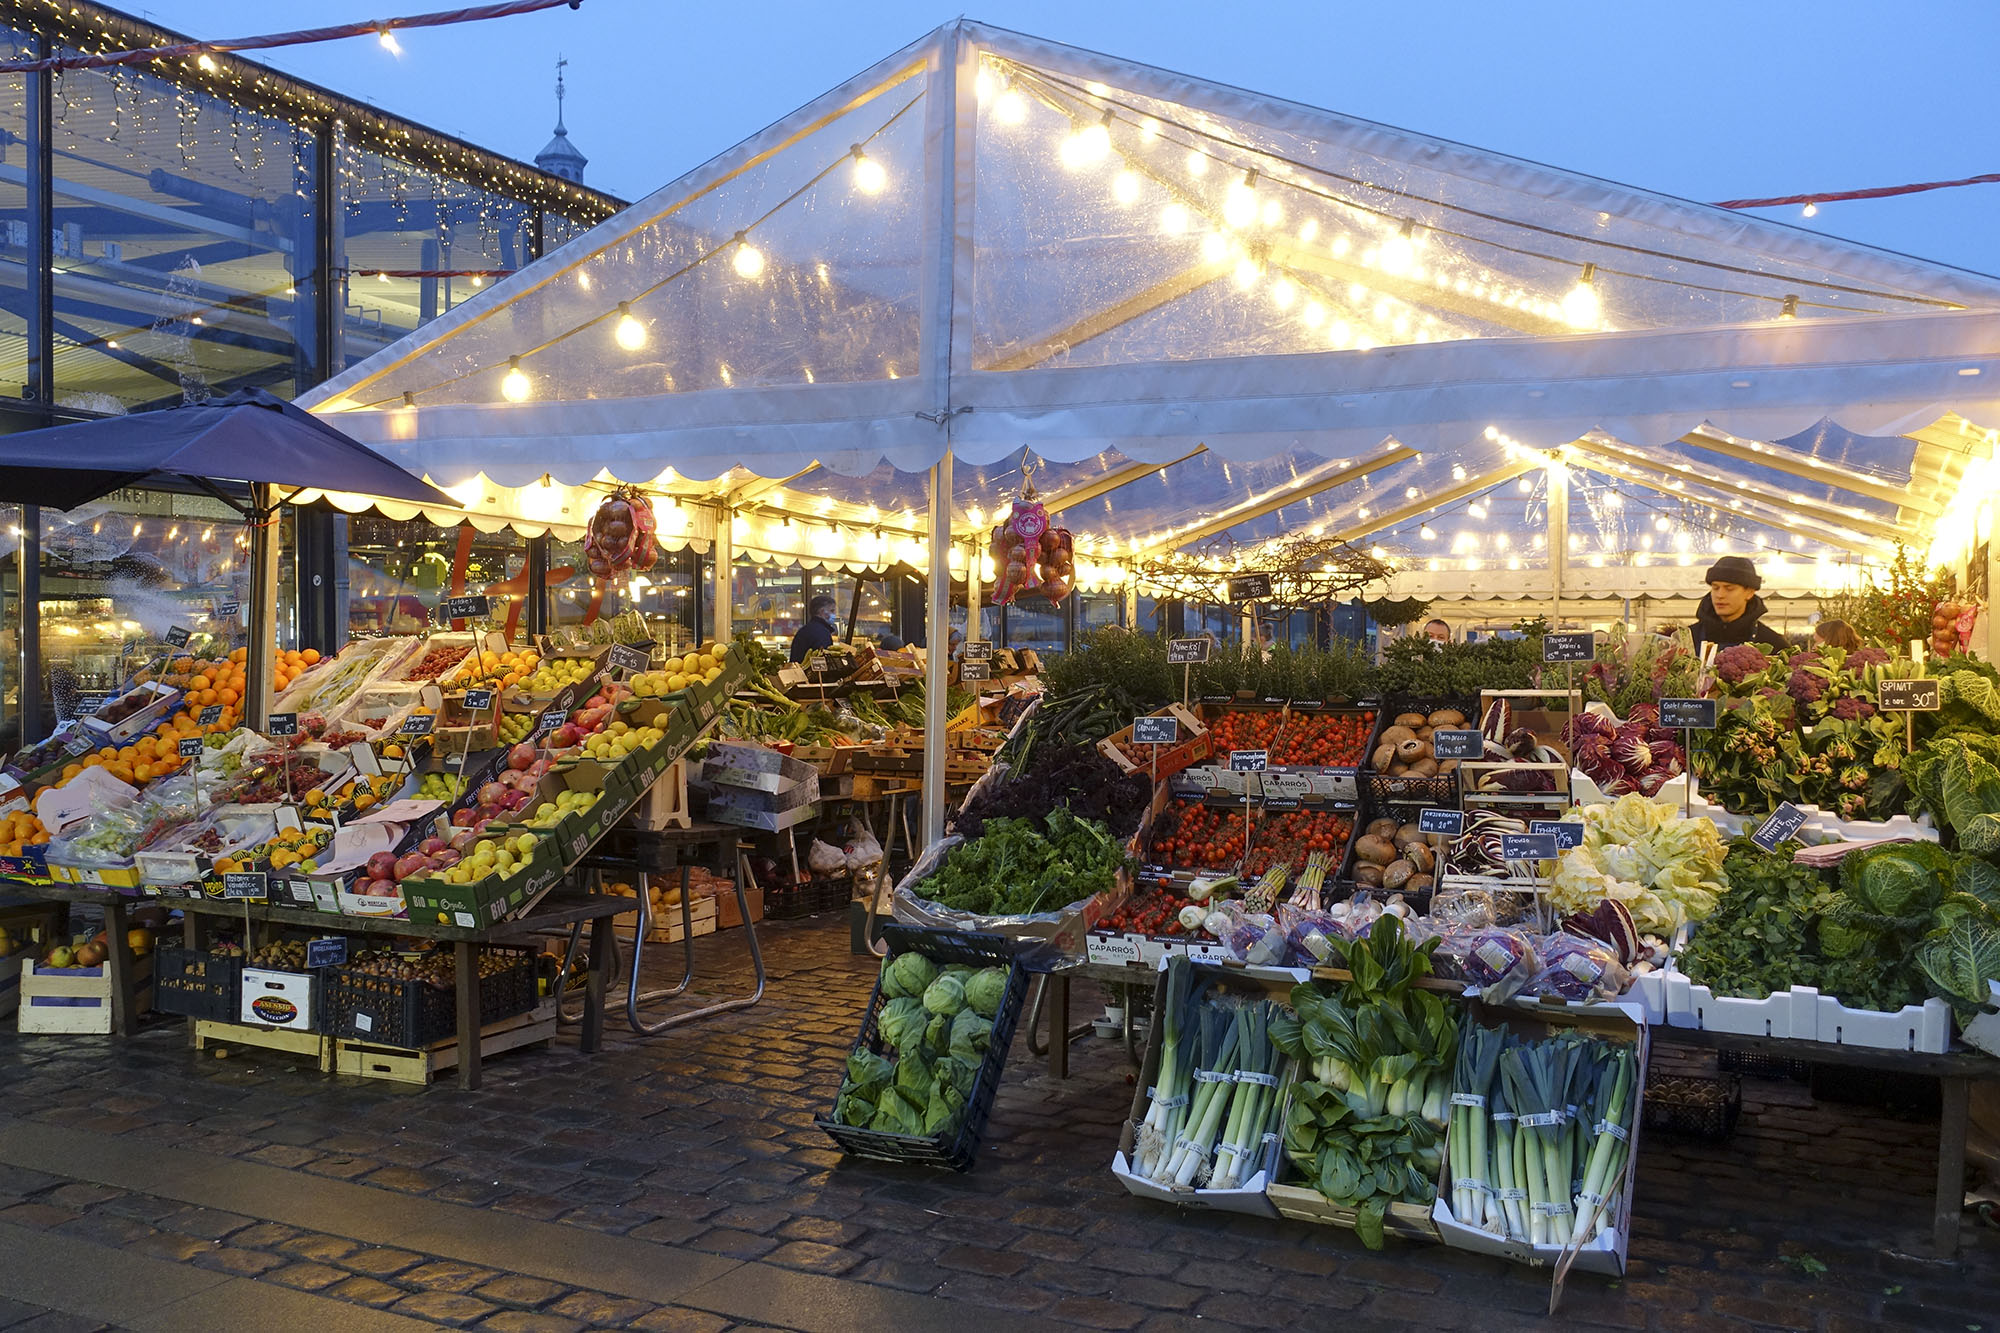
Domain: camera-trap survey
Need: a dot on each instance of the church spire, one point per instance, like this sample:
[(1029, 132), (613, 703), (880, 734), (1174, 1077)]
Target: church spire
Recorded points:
[(561, 157)]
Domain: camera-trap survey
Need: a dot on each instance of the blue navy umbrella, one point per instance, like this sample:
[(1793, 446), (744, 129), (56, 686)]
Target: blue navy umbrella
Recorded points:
[(249, 436)]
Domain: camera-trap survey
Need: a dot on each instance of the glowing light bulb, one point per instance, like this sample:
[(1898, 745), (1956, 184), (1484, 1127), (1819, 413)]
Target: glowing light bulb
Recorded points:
[(1812, 210), (207, 63), (1476, 510), (1214, 247), (515, 388), (1149, 130), (1086, 146), (1308, 230), (1272, 213), (1525, 487), (1197, 162), (1010, 108), (1399, 251), (1174, 219), (1314, 314), (1239, 204), (477, 281), (749, 260), (389, 42), (1283, 292), (1125, 188), (1427, 532), (1790, 309), (1246, 274), (1581, 308), (629, 332), (869, 175)]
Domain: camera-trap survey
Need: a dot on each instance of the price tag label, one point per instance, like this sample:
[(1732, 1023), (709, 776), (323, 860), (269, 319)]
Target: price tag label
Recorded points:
[(89, 705), (211, 715), (1249, 587), (329, 952), (418, 724), (979, 650), (1527, 847), (478, 701), (1909, 696), (462, 608), (549, 721), (179, 635), (282, 724), (975, 671), (1116, 950), (1249, 761), (1187, 652), (1785, 821), (1567, 832), (1156, 731), (245, 884), (1458, 744), (624, 657), (1449, 823), (228, 610), (1688, 714), (1569, 647), (190, 747)]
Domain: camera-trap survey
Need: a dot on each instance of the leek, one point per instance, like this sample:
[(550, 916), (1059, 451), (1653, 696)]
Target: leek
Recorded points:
[(1169, 1084)]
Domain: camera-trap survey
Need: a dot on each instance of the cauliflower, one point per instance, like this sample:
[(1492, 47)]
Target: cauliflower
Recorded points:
[(1806, 685), (1739, 661)]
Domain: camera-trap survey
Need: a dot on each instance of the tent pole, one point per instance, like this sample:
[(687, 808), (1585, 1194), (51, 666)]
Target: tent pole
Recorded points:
[(29, 574), (263, 605), (937, 656), (1558, 536), (973, 578), (724, 550)]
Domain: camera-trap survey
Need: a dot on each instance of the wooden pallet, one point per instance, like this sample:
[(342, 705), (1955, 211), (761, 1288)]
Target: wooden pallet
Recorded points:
[(362, 1059), (209, 1031)]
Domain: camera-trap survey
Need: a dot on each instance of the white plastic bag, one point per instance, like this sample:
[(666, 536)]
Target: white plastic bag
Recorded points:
[(863, 852), (824, 859)]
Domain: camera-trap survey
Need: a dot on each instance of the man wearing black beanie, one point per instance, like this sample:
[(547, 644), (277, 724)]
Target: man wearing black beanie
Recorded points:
[(1733, 613)]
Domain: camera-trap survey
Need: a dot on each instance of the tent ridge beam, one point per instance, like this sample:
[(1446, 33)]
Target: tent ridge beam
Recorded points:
[(1289, 495), (1771, 457), (1611, 467), (1111, 317), (1425, 504)]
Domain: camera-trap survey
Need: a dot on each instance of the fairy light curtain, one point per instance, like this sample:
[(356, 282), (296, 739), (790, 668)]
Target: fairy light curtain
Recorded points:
[(998, 242)]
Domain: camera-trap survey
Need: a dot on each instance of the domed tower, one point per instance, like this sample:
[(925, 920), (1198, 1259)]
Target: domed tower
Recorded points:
[(560, 158)]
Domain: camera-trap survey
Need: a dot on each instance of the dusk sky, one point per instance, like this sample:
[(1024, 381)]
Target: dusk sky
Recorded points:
[(1707, 100)]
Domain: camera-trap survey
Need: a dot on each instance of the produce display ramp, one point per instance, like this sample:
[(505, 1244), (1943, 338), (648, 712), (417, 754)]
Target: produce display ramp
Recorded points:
[(362, 1059)]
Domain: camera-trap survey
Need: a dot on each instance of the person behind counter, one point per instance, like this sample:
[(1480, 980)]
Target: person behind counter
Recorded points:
[(1733, 613), (817, 632), (1835, 634)]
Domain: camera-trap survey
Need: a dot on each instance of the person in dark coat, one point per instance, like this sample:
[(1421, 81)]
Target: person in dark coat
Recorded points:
[(1733, 613), (817, 632)]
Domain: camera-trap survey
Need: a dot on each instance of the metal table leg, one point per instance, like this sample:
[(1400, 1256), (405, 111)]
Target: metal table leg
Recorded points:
[(687, 926), (1956, 1093), (880, 948), (1040, 1046), (593, 993)]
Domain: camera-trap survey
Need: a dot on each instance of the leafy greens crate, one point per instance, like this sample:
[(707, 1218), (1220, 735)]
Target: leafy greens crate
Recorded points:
[(1252, 1196), (957, 1148)]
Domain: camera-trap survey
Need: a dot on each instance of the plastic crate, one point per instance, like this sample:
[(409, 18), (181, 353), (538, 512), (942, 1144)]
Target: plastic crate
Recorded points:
[(1702, 1108), (1753, 1064), (197, 984), (957, 1148), (395, 1011)]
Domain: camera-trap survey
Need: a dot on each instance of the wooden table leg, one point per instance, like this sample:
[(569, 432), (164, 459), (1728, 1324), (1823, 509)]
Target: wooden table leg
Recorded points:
[(467, 964), (118, 957), (593, 992), (1058, 1025), (1956, 1093)]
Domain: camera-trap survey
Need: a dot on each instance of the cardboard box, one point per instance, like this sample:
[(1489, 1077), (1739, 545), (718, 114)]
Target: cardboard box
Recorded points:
[(275, 999), (1604, 1253), (157, 703)]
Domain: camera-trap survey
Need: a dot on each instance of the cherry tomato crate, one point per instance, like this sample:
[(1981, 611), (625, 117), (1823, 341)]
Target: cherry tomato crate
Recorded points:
[(958, 1148), (1192, 748)]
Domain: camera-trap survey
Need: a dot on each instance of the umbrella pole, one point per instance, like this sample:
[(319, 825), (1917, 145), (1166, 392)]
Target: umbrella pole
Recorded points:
[(263, 606), (937, 658)]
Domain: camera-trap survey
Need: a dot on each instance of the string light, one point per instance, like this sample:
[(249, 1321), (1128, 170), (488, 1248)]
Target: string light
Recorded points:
[(869, 175), (1087, 145), (1790, 310), (1239, 204), (515, 388), (1125, 188), (630, 333), (1010, 108), (749, 260), (1174, 219), (1581, 308), (1812, 210), (1399, 252), (1427, 532), (207, 63), (389, 42)]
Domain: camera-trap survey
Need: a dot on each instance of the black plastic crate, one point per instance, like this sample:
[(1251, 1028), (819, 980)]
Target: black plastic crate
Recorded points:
[(412, 1013), (1889, 1089), (197, 984), (1702, 1108), (1755, 1064), (958, 1148)]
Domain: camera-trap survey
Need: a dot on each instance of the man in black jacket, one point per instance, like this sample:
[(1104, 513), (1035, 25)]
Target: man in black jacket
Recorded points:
[(817, 632), (1733, 613)]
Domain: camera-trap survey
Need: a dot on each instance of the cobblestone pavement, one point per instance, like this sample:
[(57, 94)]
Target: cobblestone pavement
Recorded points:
[(701, 1143)]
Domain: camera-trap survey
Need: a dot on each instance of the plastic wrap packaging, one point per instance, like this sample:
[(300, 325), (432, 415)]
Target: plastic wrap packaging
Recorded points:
[(1499, 961), (111, 839), (1045, 940), (1460, 910), (1254, 938), (1579, 969)]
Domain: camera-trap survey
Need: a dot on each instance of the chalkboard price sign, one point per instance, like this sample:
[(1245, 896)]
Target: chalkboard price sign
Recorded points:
[(190, 747), (178, 636), (245, 884), (975, 671), (550, 720), (1249, 587), (1567, 832), (329, 952), (1785, 821), (1527, 847), (1449, 743), (1249, 761), (1909, 696), (1450, 823), (478, 701), (624, 657), (1569, 647), (463, 608), (211, 715), (282, 724), (1187, 652), (418, 724), (979, 650), (1688, 714), (228, 610), (1156, 731)]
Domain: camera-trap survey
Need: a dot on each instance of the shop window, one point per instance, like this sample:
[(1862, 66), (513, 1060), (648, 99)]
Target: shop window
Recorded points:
[(768, 601), (1095, 610), (398, 571), (1032, 622), (875, 619)]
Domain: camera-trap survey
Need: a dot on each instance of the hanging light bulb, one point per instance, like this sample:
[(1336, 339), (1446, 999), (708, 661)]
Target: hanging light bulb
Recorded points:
[(1790, 309), (1174, 219), (749, 260), (1197, 162), (515, 388), (1214, 247), (869, 175), (389, 42), (478, 281), (1399, 251), (1476, 509), (1246, 274), (1525, 486), (1812, 210), (1125, 188), (629, 332), (1314, 314), (207, 63), (1239, 204), (1087, 145), (1010, 108), (1581, 308), (1427, 532), (1283, 292)]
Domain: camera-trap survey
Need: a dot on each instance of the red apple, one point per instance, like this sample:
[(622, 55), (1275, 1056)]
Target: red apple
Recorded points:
[(382, 865)]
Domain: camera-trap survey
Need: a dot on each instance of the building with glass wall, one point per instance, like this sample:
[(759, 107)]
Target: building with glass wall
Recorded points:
[(177, 230)]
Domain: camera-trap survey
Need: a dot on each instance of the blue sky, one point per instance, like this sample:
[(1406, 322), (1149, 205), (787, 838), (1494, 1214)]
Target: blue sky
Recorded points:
[(1703, 99)]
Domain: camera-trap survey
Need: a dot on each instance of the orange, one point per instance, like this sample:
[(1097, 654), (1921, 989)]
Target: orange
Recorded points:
[(311, 655), (142, 773), (239, 654), (227, 695), (70, 771)]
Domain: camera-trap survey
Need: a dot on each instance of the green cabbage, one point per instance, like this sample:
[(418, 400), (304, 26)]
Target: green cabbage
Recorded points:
[(900, 1113), (865, 1069), (1896, 880), (946, 995), (907, 974), (937, 1033), (856, 1107), (902, 1023), (970, 1035), (1840, 934), (946, 1105), (985, 989), (915, 1073), (1959, 962), (959, 1073)]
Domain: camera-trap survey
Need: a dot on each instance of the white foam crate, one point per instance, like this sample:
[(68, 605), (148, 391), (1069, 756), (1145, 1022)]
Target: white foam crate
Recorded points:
[(1792, 1013), (1250, 1198), (1922, 1027)]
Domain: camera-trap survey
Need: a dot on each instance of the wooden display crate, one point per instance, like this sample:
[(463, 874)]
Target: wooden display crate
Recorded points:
[(77, 999), (359, 1059), (209, 1032)]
